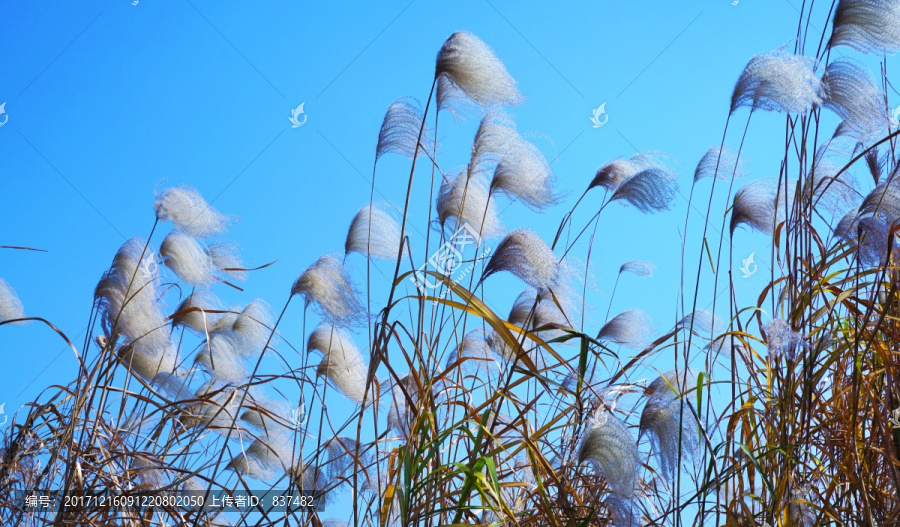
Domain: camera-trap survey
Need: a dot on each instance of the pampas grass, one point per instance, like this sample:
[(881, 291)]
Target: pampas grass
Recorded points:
[(720, 163), (189, 212), (471, 66), (637, 267), (399, 132), (612, 452), (341, 360), (850, 93), (466, 201), (754, 205), (650, 190), (630, 328), (524, 254), (11, 307), (778, 81), (374, 232), (869, 26), (326, 284)]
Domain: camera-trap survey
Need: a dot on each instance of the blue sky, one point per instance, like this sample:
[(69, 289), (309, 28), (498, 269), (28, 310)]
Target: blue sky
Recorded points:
[(106, 100)]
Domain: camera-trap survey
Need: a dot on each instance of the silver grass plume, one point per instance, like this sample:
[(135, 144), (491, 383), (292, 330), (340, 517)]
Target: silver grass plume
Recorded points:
[(524, 254), (615, 172), (327, 284), (127, 297), (870, 235), (466, 200), (524, 174), (195, 263), (222, 362), (637, 267), (269, 456), (668, 419), (342, 362), (189, 212), (398, 415), (850, 93), (545, 311), (778, 81), (622, 512), (612, 451), (198, 321), (476, 356), (650, 190), (254, 326), (217, 407), (783, 340), (375, 232), (10, 306), (174, 386), (399, 132), (470, 65), (703, 321), (755, 205), (829, 191), (269, 415), (630, 328), (869, 26), (884, 199), (727, 161)]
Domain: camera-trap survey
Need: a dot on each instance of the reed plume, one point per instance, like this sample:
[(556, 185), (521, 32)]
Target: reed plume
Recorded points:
[(327, 285), (189, 212), (778, 81), (470, 65), (11, 307), (374, 232)]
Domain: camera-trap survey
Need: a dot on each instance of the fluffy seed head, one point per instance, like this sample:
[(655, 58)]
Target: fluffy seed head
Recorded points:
[(341, 362), (630, 328), (650, 190), (399, 132), (778, 81), (850, 93), (466, 201), (187, 258), (720, 163), (198, 321), (782, 339), (615, 172), (10, 306), (611, 450), (375, 232), (869, 26), (470, 65), (185, 207), (755, 205), (524, 254), (637, 267), (326, 283)]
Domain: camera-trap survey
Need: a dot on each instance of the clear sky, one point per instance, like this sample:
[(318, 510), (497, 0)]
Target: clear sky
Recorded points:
[(106, 100)]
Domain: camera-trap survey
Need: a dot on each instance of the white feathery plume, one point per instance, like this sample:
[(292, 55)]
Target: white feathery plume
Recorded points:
[(755, 205), (524, 174), (269, 415), (267, 457), (254, 326), (884, 199), (495, 136), (727, 161), (341, 360), (189, 212), (622, 512), (198, 321), (615, 172), (524, 254), (630, 328), (612, 451), (782, 339), (637, 267), (10, 306), (327, 284), (868, 26), (127, 297), (196, 264), (831, 192), (398, 418), (375, 232), (778, 81), (870, 234), (669, 420), (850, 93), (218, 406), (476, 355), (467, 201), (703, 321), (399, 132), (650, 190), (222, 361), (226, 320), (150, 471), (470, 65), (174, 386)]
